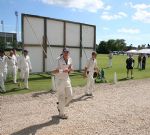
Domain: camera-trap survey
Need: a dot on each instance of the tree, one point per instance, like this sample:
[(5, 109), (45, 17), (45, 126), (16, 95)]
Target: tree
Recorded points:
[(143, 46), (111, 45), (120, 44), (102, 47)]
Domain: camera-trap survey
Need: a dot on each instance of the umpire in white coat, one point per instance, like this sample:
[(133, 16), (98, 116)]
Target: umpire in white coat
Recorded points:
[(3, 63), (24, 67), (90, 68), (64, 88)]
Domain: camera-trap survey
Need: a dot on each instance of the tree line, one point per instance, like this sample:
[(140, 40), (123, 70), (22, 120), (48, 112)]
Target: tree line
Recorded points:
[(116, 45)]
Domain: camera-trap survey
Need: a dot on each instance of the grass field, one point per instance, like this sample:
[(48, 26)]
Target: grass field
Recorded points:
[(42, 82), (119, 66)]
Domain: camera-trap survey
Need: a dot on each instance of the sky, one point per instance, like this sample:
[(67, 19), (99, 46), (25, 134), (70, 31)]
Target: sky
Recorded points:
[(114, 19)]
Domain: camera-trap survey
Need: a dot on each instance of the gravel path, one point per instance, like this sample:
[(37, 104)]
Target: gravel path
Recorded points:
[(118, 109)]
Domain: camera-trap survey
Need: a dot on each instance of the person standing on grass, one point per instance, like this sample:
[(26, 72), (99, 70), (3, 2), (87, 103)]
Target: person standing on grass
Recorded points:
[(139, 62), (64, 88), (5, 69), (143, 62), (12, 66), (17, 58), (110, 56), (24, 67), (130, 65), (3, 62), (90, 67)]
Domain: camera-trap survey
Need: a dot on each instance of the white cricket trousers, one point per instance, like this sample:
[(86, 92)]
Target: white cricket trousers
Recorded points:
[(13, 70), (5, 75), (64, 93), (24, 74), (110, 63), (2, 86), (54, 82), (90, 83)]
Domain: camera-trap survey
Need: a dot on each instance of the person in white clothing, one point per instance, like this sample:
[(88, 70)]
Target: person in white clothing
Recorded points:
[(54, 79), (24, 67), (110, 56), (12, 66), (5, 69), (17, 58), (17, 55), (64, 88), (3, 62), (90, 68)]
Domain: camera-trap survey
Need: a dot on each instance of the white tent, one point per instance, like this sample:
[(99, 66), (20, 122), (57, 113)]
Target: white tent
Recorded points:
[(145, 51), (132, 52)]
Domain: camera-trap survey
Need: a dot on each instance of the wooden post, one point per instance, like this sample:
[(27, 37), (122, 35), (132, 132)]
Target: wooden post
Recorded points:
[(45, 45), (80, 58), (64, 34)]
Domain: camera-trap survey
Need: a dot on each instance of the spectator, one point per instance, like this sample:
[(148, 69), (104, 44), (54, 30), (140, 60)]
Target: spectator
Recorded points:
[(143, 62), (130, 65), (139, 62)]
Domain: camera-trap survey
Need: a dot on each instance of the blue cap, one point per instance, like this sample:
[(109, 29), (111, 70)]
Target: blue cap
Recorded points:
[(66, 50), (25, 51)]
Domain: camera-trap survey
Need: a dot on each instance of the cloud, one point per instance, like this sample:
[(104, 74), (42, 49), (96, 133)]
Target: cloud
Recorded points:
[(89, 5), (108, 16), (105, 28), (138, 6), (129, 30), (142, 12), (108, 7)]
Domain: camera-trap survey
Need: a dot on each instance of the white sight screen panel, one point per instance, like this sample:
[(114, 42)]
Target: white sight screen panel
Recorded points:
[(87, 36), (52, 57), (55, 32), (72, 34), (52, 62), (86, 54), (33, 30), (36, 57), (75, 55)]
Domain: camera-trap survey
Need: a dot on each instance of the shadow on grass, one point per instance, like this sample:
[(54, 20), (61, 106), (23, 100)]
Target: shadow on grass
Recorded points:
[(31, 130), (124, 79), (13, 90), (39, 78), (106, 67), (9, 81)]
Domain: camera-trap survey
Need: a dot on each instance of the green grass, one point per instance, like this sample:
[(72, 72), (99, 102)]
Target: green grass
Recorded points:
[(119, 66), (42, 82)]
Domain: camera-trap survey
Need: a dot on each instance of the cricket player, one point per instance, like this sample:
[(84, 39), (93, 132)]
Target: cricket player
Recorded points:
[(24, 67), (17, 58), (3, 62), (110, 56), (5, 69), (90, 68), (129, 66), (64, 88), (12, 66)]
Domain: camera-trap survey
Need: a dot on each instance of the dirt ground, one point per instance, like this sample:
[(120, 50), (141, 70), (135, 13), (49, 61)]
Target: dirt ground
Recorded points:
[(115, 109)]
